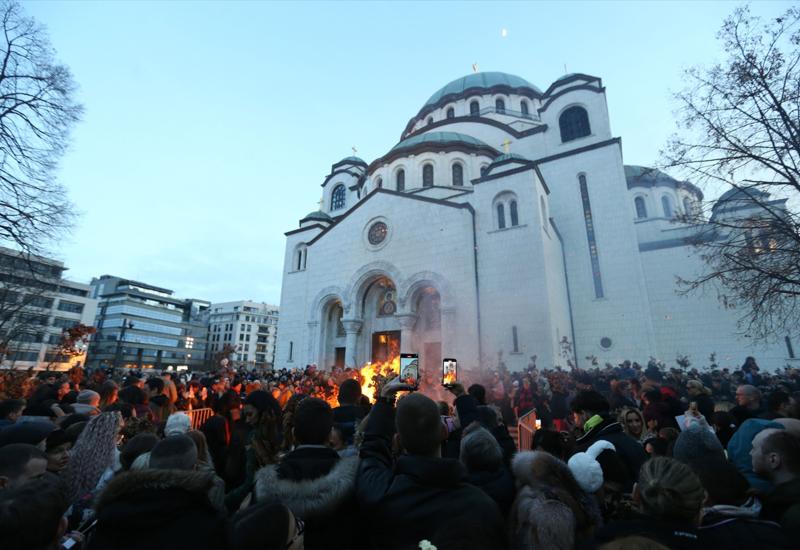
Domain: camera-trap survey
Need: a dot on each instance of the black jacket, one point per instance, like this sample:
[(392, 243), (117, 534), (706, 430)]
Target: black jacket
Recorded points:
[(499, 485), (158, 509), (627, 448), (408, 500), (318, 487), (723, 527), (672, 535), (467, 407)]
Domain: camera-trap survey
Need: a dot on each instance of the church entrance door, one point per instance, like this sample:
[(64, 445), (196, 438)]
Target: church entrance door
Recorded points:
[(339, 360), (431, 362), (385, 345)]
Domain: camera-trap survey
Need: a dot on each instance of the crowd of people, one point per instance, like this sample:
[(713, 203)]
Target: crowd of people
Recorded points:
[(623, 457)]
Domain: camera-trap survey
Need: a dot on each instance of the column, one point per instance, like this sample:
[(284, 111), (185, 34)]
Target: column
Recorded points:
[(407, 322), (448, 326), (351, 328), (315, 354)]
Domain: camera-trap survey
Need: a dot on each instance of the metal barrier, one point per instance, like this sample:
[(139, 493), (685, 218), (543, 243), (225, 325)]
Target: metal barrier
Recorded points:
[(526, 427), (198, 417)]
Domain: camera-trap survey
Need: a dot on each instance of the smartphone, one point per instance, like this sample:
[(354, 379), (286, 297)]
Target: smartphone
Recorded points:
[(449, 371), (409, 369)]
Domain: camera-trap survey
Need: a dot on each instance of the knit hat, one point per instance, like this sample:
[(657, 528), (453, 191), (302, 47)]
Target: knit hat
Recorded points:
[(177, 424), (32, 433), (586, 469), (697, 442), (86, 397)]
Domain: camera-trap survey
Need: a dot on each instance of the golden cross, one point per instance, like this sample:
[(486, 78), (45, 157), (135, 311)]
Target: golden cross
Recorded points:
[(354, 149), (321, 202), (506, 143)]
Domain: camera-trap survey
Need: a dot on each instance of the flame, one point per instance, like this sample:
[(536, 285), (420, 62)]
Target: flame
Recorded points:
[(371, 376)]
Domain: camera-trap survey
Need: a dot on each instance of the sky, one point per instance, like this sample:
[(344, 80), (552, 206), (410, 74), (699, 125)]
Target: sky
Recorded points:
[(210, 126)]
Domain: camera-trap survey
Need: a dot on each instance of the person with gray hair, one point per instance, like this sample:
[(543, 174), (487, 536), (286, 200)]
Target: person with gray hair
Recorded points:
[(748, 399), (483, 458)]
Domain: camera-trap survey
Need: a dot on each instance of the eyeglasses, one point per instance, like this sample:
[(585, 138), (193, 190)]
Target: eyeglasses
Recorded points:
[(299, 529)]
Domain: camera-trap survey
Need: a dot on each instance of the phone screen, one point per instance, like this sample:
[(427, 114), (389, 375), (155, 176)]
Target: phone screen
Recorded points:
[(409, 368), (449, 371)]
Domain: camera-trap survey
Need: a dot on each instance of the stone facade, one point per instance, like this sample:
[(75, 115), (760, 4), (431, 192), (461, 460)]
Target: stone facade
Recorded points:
[(503, 225)]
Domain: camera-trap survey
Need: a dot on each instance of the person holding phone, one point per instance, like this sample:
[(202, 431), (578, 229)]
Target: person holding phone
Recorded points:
[(408, 500)]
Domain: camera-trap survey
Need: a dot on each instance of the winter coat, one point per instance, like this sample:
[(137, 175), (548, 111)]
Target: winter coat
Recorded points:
[(741, 444), (499, 485), (158, 509), (541, 515), (318, 487), (782, 504), (739, 527), (677, 536), (408, 500), (627, 448)]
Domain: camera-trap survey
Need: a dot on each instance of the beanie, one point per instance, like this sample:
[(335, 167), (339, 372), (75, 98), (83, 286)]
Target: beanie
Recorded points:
[(585, 468), (85, 397), (697, 442), (177, 424)]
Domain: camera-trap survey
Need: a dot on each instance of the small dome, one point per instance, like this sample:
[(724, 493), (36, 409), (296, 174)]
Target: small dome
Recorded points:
[(317, 215), (352, 160), (642, 176), (478, 81), (566, 76), (745, 195), (438, 138)]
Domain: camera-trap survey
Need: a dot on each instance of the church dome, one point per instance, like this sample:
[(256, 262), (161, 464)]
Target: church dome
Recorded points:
[(643, 176), (490, 82), (510, 156), (437, 138), (317, 215), (351, 161)]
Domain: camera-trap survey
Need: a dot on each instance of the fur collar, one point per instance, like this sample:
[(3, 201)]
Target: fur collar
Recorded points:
[(522, 466), (311, 497), (134, 481)]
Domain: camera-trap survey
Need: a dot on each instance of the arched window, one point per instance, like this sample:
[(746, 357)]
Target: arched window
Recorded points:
[(474, 109), (666, 204), (427, 175), (500, 106), (574, 124), (484, 168), (401, 180), (300, 257), (641, 208), (501, 215), (524, 108), (299, 265), (338, 197), (687, 206), (512, 208), (430, 120), (379, 183), (451, 113), (458, 174)]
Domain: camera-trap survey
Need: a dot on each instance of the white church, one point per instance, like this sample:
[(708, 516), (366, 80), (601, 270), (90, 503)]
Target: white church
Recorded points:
[(503, 225)]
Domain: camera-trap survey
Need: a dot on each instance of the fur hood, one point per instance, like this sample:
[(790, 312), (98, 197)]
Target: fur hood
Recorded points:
[(522, 466), (134, 481), (311, 497)]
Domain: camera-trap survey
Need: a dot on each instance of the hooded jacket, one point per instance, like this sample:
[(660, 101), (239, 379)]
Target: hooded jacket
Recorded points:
[(741, 444), (318, 487), (158, 509)]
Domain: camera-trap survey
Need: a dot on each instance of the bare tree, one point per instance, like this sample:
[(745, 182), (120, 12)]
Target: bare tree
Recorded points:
[(37, 112), (739, 128)]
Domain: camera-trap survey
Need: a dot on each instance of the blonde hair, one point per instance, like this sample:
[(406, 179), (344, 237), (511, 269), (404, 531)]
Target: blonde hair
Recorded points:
[(622, 420), (670, 490), (92, 453)]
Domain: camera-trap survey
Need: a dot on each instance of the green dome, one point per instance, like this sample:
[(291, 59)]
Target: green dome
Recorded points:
[(351, 160), (317, 215), (477, 81), (438, 138)]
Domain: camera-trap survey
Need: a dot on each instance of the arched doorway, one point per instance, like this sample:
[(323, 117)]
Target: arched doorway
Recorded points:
[(333, 335), (381, 330)]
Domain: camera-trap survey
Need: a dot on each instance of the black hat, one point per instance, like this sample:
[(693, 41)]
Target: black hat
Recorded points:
[(31, 433)]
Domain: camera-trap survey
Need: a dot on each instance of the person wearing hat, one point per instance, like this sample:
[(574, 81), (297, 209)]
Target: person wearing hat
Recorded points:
[(178, 423), (88, 403), (701, 395), (33, 433)]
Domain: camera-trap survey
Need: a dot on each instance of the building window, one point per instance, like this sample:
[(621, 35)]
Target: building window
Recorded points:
[(301, 257), (500, 106), (687, 206), (514, 340), (484, 168), (605, 342), (501, 216), (337, 197), (474, 109), (512, 209), (641, 208), (458, 174), (291, 351), (574, 124), (71, 307), (524, 108), (427, 175), (666, 205), (451, 113), (379, 183), (590, 237), (430, 120), (401, 180)]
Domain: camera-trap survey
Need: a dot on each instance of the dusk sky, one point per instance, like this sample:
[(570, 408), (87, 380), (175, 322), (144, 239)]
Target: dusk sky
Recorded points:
[(210, 126)]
